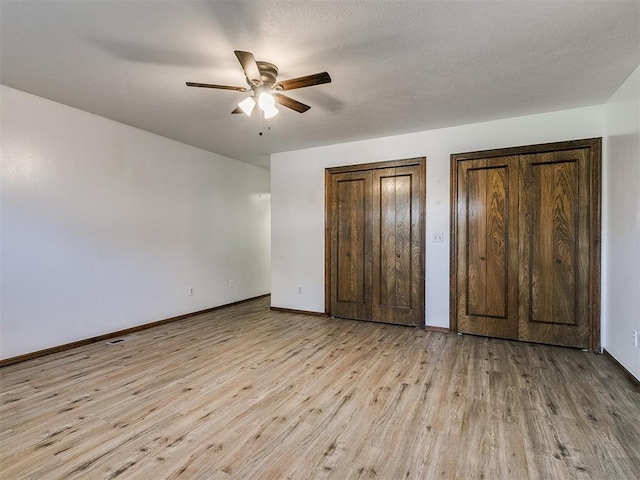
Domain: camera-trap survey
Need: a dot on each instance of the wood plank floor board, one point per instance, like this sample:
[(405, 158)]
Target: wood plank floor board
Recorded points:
[(249, 393)]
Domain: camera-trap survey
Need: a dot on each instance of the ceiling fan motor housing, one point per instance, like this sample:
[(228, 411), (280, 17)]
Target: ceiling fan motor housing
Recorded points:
[(268, 72)]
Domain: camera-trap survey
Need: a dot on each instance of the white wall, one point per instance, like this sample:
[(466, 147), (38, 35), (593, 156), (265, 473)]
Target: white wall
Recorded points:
[(621, 224), (105, 226), (297, 197)]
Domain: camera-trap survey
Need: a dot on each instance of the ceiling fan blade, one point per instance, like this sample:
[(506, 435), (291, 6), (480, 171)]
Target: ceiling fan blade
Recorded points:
[(308, 81), (249, 66), (211, 85), (237, 110), (290, 103)]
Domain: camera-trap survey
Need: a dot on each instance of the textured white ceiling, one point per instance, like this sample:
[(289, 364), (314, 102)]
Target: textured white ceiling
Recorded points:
[(397, 66)]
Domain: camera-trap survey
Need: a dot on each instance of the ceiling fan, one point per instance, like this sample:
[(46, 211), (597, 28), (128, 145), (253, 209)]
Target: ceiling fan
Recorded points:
[(264, 87)]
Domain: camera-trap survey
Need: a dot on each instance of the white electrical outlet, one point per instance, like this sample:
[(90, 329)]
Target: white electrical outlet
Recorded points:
[(299, 290), (190, 291), (231, 284), (636, 338), (438, 237)]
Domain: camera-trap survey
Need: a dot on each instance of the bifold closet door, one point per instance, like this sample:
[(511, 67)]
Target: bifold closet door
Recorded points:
[(526, 243), (375, 239)]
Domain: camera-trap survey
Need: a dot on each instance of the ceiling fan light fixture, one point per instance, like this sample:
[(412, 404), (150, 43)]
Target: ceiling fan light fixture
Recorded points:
[(266, 101), (247, 105), (270, 112)]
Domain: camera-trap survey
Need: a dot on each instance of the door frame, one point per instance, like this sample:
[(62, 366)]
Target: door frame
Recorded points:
[(594, 145), (422, 163)]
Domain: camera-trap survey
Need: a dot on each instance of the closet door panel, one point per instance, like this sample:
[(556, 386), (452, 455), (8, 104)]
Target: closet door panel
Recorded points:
[(351, 245), (397, 283), (554, 248), (475, 238), (487, 247)]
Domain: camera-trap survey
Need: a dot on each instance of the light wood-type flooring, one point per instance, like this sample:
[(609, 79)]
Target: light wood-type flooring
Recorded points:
[(247, 393)]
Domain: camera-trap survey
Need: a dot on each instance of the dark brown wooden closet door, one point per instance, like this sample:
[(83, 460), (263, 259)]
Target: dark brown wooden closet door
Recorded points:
[(374, 240), (554, 245), (350, 213), (487, 268), (526, 243), (397, 295)]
